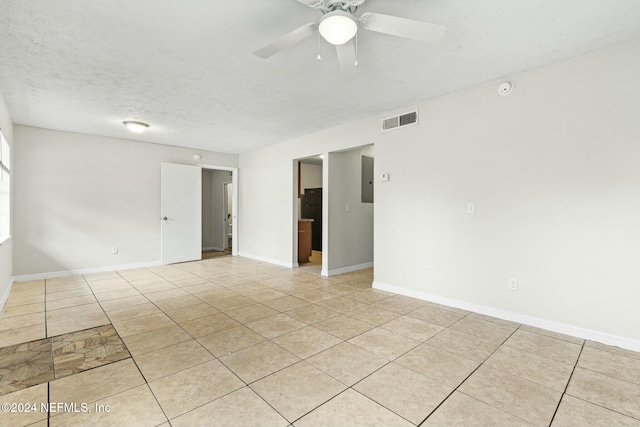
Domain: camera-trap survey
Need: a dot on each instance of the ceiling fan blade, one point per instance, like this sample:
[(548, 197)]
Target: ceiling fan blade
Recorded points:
[(313, 3), (402, 27), (347, 58), (287, 40)]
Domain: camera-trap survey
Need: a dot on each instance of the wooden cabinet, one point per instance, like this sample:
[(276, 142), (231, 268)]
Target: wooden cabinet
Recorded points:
[(304, 240)]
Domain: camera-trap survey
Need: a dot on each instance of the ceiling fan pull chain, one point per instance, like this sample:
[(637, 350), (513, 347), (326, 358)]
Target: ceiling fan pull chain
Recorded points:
[(319, 57)]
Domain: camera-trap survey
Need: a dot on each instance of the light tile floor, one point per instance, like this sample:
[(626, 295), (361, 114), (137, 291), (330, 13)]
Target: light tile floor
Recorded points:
[(235, 342)]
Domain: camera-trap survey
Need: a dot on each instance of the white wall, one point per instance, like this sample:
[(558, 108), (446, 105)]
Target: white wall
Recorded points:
[(6, 249), (350, 232), (553, 169), (78, 195)]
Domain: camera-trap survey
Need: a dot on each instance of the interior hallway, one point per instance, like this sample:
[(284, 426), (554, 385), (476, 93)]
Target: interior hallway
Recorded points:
[(232, 341)]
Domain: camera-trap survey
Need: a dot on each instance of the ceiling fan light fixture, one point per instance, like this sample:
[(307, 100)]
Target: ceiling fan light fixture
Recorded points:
[(338, 27), (135, 127)]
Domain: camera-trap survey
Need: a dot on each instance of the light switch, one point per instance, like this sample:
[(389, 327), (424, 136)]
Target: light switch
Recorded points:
[(471, 208)]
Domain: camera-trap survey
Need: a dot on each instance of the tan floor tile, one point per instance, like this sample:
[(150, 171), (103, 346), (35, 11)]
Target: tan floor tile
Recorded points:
[(347, 363), (183, 301), (21, 310), (208, 325), (186, 390), (522, 398), (369, 296), (312, 313), (142, 324), (265, 295), (25, 365), (460, 410), (343, 327), (85, 290), (70, 302), (248, 288), (275, 326), (21, 335), (95, 277), (612, 349), (541, 345), (613, 365), (411, 327), (483, 328), (215, 295), (30, 299), (287, 303), (470, 346), (440, 365), (340, 289), (192, 312), (76, 324), (512, 325), (251, 313), (251, 363), (432, 314), (384, 343), (242, 408), (400, 304), (563, 337), (66, 279), (343, 305), (611, 393), (110, 285), (575, 412), (169, 360), (129, 301), (132, 312), (72, 312), (298, 389), (230, 340), (306, 342), (191, 281), (230, 303), (152, 285), (155, 339), (134, 407), (35, 395), (167, 294), (23, 321), (358, 409), (541, 370), (95, 384), (31, 287), (80, 351), (375, 315), (315, 295), (404, 391), (119, 294)]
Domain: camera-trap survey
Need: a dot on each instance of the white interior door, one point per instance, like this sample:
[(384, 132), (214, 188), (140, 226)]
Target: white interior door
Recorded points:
[(181, 213)]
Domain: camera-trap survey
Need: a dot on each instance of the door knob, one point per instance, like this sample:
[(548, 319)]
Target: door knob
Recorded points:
[(164, 218)]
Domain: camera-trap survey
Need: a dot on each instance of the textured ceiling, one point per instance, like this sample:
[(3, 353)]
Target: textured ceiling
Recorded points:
[(188, 68)]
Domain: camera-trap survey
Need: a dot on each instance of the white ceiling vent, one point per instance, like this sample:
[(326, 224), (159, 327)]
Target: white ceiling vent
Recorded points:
[(406, 119)]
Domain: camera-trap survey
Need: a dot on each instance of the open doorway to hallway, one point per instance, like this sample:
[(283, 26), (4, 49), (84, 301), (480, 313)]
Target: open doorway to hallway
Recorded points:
[(336, 193), (217, 219), (310, 207)]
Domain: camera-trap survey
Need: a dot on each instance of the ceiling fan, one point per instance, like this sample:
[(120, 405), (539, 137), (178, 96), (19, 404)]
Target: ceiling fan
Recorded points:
[(339, 26)]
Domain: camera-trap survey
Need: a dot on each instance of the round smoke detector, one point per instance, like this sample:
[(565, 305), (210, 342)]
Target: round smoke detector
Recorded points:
[(505, 88)]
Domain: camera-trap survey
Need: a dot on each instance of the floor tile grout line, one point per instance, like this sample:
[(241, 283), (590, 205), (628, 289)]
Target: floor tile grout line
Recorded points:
[(469, 376), (567, 385)]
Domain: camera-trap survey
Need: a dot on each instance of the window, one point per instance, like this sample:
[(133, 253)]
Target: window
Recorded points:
[(5, 188)]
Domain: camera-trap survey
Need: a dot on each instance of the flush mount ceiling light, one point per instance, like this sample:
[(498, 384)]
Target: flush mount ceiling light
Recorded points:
[(338, 27), (135, 127)]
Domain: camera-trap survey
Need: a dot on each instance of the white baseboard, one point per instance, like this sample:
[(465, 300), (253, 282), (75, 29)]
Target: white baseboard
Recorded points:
[(549, 325), (51, 275), (349, 269), (5, 295), (269, 260), (213, 248)]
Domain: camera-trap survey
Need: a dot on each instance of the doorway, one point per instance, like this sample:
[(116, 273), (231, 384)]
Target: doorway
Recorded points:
[(217, 212), (309, 230), (227, 210)]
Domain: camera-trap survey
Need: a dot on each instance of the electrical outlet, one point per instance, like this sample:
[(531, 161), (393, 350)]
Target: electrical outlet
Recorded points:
[(114, 250), (513, 284), (471, 208)]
